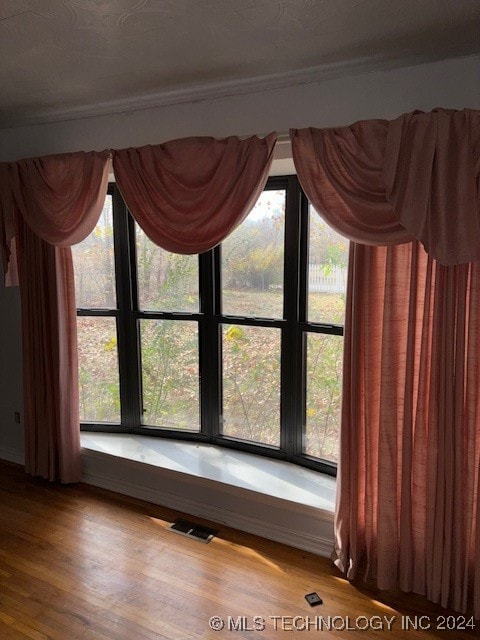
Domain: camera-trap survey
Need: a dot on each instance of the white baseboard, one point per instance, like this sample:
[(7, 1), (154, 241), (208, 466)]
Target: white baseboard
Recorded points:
[(297, 525), (12, 455)]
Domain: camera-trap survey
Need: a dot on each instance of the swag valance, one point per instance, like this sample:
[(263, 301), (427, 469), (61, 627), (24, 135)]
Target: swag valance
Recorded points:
[(382, 182), (188, 195)]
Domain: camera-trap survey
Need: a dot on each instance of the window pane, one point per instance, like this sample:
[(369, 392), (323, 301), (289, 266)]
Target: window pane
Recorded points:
[(327, 272), (98, 370), (170, 374), (94, 265), (324, 395), (166, 281), (252, 261), (251, 383)]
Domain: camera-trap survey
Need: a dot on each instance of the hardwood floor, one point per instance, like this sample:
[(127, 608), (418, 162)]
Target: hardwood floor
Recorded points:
[(83, 563)]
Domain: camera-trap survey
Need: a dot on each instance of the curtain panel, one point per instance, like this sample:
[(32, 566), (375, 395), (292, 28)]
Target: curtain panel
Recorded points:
[(408, 508), (408, 501), (189, 194), (47, 204), (381, 182)]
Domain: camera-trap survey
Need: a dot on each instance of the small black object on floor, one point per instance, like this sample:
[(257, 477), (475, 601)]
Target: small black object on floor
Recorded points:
[(313, 599)]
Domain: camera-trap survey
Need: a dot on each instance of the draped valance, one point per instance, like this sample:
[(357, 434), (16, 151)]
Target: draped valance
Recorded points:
[(60, 198), (382, 182), (189, 194)]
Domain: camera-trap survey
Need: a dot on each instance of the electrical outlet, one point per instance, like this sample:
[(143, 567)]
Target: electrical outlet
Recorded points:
[(17, 417), (313, 599)]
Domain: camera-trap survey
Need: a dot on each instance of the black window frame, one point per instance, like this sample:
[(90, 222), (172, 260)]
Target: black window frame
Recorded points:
[(294, 327)]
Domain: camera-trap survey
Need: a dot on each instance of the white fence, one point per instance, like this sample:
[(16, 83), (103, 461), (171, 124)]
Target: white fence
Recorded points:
[(326, 279)]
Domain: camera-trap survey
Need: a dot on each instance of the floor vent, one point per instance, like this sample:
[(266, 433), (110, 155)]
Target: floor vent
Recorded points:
[(192, 530)]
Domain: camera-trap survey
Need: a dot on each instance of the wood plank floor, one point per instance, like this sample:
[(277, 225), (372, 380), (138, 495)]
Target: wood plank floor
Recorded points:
[(81, 563)]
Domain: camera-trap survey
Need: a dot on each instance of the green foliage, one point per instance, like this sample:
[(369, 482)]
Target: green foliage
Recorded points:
[(252, 257), (251, 383), (170, 373), (324, 369), (259, 269), (98, 367), (166, 281), (326, 246)]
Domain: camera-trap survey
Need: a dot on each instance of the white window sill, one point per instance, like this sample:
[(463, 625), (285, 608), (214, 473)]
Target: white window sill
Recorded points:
[(272, 498)]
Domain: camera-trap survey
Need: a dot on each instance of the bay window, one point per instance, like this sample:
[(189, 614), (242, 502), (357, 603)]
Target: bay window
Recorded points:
[(240, 346)]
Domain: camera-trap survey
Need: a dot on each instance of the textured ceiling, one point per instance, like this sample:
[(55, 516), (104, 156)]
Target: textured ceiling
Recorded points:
[(61, 58)]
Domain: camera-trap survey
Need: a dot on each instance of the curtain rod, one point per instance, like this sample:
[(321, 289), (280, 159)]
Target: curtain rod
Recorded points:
[(282, 138)]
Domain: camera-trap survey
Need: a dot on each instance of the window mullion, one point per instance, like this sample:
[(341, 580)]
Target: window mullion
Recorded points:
[(209, 344), (301, 340), (290, 362), (127, 324)]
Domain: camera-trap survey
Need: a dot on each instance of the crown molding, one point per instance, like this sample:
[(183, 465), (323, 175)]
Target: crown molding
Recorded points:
[(217, 89)]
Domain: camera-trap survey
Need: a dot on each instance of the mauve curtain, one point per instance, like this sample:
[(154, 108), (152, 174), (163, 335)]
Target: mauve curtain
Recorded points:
[(408, 503), (189, 194), (382, 182), (48, 204), (408, 511)]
